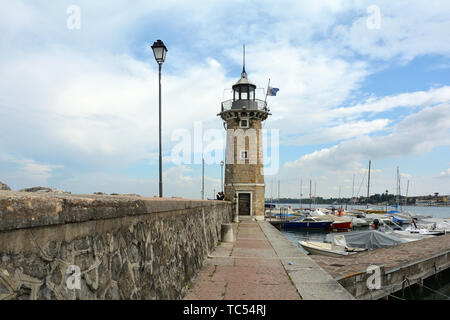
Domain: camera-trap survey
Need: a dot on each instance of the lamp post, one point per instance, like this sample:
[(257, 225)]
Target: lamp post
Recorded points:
[(221, 175), (203, 179), (160, 50)]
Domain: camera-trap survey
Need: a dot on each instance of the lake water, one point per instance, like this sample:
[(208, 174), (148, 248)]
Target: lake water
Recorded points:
[(438, 287)]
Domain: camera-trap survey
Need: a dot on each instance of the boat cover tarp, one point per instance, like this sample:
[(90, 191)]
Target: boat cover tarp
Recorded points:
[(371, 239), (435, 224), (285, 215), (330, 217), (316, 213)]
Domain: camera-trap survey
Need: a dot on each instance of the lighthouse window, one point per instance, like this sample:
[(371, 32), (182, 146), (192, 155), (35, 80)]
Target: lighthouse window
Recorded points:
[(252, 93), (243, 123), (244, 154)]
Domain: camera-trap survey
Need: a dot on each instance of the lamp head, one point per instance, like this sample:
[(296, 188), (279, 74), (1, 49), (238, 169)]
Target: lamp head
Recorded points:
[(160, 51)]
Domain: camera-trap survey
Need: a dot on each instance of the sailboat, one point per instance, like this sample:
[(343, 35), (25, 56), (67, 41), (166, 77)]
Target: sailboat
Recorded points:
[(367, 210), (396, 215)]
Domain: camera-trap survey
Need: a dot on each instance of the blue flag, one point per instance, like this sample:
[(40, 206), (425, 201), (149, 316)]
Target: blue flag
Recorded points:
[(272, 91)]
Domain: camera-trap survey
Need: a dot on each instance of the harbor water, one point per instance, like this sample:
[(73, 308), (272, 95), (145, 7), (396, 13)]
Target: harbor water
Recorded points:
[(435, 288)]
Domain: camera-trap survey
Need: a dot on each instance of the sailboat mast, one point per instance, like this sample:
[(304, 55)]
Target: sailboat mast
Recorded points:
[(353, 189), (301, 192), (398, 188), (271, 191), (339, 203), (203, 179), (310, 200), (368, 186), (315, 194), (407, 189), (278, 193)]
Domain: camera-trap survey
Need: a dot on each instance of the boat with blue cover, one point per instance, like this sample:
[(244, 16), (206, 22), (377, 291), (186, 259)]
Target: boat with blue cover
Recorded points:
[(308, 223), (401, 220)]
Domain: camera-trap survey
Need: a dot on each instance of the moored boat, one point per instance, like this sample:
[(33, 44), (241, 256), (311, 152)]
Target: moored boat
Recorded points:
[(360, 222), (401, 219), (269, 206), (328, 249), (408, 236), (339, 222), (424, 231), (373, 211), (341, 225), (435, 224), (308, 223)]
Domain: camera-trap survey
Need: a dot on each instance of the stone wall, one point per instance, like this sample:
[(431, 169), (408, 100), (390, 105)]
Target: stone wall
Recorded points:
[(245, 175), (123, 247)]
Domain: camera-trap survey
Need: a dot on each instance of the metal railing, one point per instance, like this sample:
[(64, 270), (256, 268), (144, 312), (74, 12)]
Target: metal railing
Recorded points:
[(260, 104)]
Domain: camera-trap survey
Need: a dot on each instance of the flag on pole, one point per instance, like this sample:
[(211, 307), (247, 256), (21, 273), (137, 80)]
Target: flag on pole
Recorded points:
[(272, 91)]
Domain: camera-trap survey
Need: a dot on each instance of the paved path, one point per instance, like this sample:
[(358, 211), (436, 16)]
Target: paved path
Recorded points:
[(262, 265)]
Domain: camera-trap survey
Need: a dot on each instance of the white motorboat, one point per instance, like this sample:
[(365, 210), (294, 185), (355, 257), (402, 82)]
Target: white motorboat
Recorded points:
[(328, 249), (382, 219), (408, 236), (359, 222), (435, 224), (424, 231)]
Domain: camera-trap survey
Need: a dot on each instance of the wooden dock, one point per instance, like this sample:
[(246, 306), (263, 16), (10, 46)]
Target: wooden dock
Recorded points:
[(400, 266)]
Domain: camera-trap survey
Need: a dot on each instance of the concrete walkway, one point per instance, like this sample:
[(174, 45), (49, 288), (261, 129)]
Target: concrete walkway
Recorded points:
[(262, 264)]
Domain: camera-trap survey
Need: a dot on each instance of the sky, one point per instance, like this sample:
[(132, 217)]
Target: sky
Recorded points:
[(358, 80)]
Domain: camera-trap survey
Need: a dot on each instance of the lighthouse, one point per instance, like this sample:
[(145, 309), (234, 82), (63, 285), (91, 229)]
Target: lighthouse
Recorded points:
[(243, 116)]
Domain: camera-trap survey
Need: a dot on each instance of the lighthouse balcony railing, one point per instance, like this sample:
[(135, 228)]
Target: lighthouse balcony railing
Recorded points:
[(256, 104)]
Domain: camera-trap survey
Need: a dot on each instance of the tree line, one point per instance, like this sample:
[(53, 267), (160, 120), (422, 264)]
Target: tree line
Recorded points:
[(373, 199)]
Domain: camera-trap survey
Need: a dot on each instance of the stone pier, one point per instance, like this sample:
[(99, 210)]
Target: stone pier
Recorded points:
[(60, 246), (262, 264)]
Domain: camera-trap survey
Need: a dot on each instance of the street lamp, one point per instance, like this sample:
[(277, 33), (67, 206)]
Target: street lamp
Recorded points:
[(221, 175), (160, 50)]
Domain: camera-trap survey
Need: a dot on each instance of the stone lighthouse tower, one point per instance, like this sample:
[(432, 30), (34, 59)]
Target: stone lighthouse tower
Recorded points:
[(244, 168)]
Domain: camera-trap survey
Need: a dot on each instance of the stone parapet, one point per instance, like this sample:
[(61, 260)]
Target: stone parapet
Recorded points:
[(23, 210), (124, 247)]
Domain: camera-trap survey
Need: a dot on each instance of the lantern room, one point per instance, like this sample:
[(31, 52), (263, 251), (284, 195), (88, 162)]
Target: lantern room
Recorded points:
[(244, 93)]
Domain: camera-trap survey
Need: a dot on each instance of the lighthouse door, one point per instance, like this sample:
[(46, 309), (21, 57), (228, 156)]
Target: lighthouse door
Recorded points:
[(244, 204)]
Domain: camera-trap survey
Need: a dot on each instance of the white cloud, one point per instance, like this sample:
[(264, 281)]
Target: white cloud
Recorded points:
[(405, 100), (89, 98), (445, 174), (179, 181), (100, 109), (21, 173), (416, 134), (343, 131), (408, 29)]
